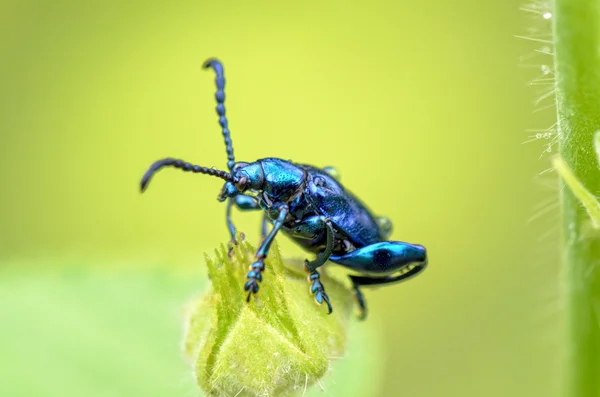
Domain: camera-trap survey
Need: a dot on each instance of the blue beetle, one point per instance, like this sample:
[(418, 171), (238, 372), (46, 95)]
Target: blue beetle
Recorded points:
[(310, 206)]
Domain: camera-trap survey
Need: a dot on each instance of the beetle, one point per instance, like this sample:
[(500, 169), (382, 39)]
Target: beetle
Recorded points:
[(310, 206)]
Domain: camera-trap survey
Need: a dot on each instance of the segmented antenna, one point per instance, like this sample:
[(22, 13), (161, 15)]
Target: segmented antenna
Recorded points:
[(184, 166), (220, 97)]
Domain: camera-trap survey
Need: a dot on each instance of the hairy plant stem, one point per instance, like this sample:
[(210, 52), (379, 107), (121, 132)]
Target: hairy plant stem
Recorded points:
[(577, 64)]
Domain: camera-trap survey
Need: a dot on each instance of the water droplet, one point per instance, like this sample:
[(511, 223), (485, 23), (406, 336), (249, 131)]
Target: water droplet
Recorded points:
[(545, 69), (545, 50), (547, 135), (547, 15), (549, 149), (538, 136)]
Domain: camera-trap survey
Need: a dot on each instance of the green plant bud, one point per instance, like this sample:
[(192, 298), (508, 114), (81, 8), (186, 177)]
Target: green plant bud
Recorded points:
[(278, 343)]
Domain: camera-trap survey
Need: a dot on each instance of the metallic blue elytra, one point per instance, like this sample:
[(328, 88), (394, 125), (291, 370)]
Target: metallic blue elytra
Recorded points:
[(310, 206)]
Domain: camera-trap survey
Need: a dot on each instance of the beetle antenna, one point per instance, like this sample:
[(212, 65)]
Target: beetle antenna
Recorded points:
[(220, 97), (184, 166)]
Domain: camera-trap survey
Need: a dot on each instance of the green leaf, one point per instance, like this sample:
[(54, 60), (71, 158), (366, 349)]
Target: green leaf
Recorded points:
[(99, 329)]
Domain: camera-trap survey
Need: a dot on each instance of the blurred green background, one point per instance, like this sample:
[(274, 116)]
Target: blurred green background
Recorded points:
[(421, 106)]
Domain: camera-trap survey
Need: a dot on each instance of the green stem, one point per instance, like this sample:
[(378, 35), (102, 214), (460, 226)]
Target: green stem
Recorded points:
[(576, 35), (597, 145), (587, 199)]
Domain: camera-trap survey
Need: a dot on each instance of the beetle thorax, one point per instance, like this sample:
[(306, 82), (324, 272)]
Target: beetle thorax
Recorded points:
[(284, 181)]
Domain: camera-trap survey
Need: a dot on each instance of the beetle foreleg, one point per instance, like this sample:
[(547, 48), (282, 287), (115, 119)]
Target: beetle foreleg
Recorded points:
[(255, 274), (263, 227), (230, 224), (243, 203)]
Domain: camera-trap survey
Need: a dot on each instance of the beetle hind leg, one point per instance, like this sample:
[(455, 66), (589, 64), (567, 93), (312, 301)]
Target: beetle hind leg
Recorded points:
[(385, 258), (382, 263), (360, 299)]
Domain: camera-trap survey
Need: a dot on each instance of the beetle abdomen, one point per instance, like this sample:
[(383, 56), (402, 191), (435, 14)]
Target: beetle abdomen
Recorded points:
[(348, 214)]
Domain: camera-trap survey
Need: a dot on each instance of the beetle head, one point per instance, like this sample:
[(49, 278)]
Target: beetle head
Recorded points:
[(247, 178)]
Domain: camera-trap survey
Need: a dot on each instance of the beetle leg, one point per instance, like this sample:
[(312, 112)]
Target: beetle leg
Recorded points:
[(394, 261), (322, 257), (317, 287), (318, 290), (385, 258), (360, 299), (255, 274), (243, 203), (230, 225), (358, 281), (263, 227)]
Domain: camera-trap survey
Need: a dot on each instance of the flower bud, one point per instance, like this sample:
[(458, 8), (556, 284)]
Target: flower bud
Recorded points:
[(274, 345)]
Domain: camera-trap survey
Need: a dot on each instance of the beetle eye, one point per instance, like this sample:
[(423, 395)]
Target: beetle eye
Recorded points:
[(241, 184)]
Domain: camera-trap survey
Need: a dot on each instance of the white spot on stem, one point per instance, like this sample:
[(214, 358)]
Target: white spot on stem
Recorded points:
[(546, 69)]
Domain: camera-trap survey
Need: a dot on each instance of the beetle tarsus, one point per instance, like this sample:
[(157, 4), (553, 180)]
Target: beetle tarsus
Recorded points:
[(254, 277), (318, 290), (230, 247), (360, 300)]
